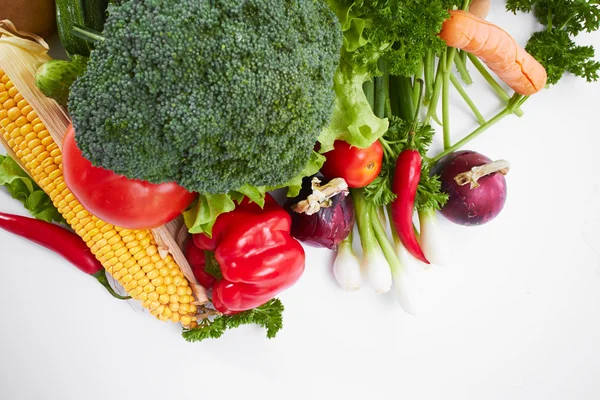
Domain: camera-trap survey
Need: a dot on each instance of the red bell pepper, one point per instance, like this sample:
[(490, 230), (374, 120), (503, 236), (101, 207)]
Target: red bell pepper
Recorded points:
[(256, 253), (197, 259)]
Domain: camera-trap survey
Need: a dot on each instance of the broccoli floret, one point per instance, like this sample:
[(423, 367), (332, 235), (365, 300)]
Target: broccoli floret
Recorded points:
[(213, 95)]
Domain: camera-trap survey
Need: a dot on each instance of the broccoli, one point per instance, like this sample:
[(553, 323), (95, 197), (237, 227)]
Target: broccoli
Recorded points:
[(213, 95)]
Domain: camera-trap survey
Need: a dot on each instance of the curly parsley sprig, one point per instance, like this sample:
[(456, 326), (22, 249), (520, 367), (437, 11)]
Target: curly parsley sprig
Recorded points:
[(554, 47), (269, 316)]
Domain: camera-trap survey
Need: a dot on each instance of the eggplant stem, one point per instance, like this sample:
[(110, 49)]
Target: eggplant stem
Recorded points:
[(479, 172)]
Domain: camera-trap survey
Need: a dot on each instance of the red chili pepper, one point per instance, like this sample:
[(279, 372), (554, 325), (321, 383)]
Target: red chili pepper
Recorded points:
[(257, 255), (61, 241), (406, 181)]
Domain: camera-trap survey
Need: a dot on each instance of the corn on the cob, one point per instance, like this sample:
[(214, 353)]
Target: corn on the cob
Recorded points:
[(131, 257)]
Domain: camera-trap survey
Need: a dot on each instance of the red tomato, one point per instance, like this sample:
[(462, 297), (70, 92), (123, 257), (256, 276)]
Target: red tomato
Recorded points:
[(124, 202), (357, 166)]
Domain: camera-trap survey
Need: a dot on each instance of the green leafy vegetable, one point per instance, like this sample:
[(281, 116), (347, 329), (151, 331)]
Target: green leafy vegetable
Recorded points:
[(554, 47), (353, 119), (238, 97), (201, 216), (557, 52), (294, 185), (389, 33), (269, 316), (572, 16), (24, 189)]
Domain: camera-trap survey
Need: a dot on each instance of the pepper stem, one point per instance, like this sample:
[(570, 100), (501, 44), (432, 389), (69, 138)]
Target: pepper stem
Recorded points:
[(101, 277), (479, 172)]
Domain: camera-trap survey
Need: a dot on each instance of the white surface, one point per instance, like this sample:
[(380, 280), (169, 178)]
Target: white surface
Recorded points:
[(514, 315)]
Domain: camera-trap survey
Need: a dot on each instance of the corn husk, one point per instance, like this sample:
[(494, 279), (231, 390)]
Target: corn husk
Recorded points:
[(21, 54), (171, 238)]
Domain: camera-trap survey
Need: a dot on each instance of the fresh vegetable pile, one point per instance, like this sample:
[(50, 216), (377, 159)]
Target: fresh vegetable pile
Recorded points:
[(154, 148)]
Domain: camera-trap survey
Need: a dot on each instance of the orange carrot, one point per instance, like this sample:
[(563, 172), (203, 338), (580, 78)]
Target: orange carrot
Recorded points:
[(497, 49)]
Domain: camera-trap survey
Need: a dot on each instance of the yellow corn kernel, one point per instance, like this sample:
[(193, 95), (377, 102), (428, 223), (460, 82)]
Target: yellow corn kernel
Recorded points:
[(130, 256)]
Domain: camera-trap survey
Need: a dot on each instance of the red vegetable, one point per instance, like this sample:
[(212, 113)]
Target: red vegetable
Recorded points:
[(476, 187), (325, 220), (61, 241), (118, 200), (358, 167), (406, 180), (197, 259), (257, 255)]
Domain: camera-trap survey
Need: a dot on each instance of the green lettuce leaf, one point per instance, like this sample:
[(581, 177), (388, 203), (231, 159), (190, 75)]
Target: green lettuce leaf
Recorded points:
[(312, 167), (201, 216), (23, 188), (353, 119)]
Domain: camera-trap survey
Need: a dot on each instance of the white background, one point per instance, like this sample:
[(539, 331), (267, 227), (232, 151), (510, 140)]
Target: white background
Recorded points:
[(515, 314)]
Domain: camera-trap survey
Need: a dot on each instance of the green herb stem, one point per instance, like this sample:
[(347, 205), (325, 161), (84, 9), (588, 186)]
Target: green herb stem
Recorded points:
[(417, 88), (467, 99), (437, 89), (447, 62), (482, 128), (492, 82), (429, 73), (382, 93), (461, 67)]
